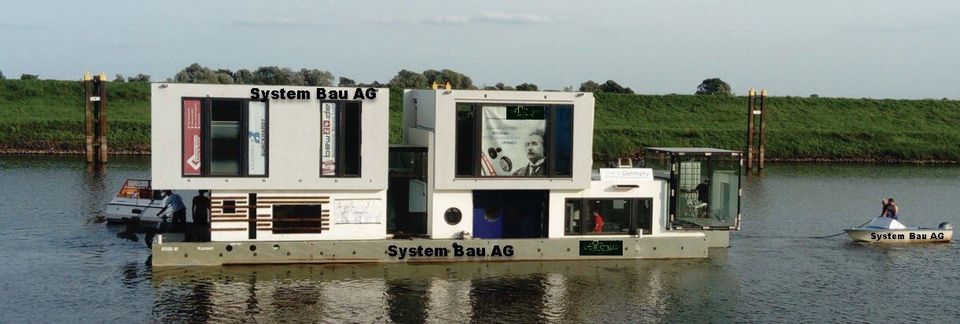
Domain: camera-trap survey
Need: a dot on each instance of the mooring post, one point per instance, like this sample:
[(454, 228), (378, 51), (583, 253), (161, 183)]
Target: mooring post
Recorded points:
[(750, 101), (103, 119), (88, 116), (763, 126), (95, 117)]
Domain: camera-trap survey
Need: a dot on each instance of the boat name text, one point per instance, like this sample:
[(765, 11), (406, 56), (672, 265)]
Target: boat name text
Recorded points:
[(455, 250), (909, 236), (322, 94)]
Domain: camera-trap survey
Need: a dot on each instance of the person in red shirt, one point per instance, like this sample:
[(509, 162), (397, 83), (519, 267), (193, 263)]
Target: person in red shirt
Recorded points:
[(597, 221)]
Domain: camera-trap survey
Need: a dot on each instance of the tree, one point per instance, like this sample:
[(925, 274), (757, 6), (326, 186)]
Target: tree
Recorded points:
[(119, 78), (29, 77), (406, 79), (316, 77), (501, 86), (1, 76), (243, 76), (527, 87), (196, 73), (457, 80), (590, 86), (613, 87), (714, 86), (270, 75), (347, 82), (139, 78)]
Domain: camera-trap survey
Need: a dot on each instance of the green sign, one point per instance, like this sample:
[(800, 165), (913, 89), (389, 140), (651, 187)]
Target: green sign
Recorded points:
[(601, 247), (527, 112)]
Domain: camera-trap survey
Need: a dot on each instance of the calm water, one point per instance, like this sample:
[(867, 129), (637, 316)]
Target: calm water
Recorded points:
[(58, 264)]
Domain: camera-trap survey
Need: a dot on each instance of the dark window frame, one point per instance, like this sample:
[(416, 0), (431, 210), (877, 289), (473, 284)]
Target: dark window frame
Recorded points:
[(341, 139), (206, 115), (549, 140), (634, 221)]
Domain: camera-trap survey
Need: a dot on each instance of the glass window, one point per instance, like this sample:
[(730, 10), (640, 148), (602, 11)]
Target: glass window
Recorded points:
[(572, 211), (226, 139), (594, 216), (297, 219), (563, 140), (514, 140), (340, 139), (708, 194), (465, 140)]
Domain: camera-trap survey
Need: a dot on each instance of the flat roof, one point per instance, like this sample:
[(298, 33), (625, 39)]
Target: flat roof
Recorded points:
[(691, 150)]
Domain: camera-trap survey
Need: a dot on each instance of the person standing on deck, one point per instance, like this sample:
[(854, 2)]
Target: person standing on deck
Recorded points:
[(201, 214), (177, 209)]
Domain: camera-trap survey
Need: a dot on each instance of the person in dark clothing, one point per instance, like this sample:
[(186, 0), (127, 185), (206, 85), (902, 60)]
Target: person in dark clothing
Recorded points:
[(201, 217), (201, 208)]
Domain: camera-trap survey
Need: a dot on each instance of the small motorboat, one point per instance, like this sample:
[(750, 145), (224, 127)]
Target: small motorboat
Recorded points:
[(888, 230), (135, 199)]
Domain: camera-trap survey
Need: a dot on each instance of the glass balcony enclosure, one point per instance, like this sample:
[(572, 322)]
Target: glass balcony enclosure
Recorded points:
[(704, 186)]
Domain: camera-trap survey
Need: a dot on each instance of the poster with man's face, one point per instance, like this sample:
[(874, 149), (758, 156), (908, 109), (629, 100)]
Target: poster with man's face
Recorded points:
[(512, 141)]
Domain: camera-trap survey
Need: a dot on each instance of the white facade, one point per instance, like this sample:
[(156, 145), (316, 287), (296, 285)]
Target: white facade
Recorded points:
[(293, 161)]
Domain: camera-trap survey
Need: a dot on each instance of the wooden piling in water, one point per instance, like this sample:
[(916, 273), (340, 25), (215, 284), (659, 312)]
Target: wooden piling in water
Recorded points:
[(95, 117), (750, 102)]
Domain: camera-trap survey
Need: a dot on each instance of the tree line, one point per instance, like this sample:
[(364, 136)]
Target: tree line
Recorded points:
[(405, 79)]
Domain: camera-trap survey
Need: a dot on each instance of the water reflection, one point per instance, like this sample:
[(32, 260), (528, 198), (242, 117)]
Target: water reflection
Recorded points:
[(484, 293)]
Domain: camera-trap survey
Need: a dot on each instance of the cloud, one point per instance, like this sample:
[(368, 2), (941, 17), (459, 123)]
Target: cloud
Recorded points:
[(449, 20), (501, 17), (279, 23), (485, 17)]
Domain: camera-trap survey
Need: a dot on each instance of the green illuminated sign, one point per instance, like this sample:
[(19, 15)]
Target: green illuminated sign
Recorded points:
[(601, 247)]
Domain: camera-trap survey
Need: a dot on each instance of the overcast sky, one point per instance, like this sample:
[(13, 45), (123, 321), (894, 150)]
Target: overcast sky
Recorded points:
[(838, 48)]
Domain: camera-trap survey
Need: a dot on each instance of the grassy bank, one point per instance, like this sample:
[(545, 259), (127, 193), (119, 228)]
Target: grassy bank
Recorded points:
[(47, 116)]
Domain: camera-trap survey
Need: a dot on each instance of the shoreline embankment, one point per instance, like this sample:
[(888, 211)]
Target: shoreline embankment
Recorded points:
[(46, 117)]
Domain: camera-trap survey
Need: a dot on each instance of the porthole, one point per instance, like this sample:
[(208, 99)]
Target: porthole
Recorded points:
[(453, 216), (229, 248), (253, 248)]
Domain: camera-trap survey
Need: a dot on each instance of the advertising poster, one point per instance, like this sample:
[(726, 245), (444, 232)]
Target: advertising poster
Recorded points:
[(328, 139), (512, 141), (257, 138), (191, 137)]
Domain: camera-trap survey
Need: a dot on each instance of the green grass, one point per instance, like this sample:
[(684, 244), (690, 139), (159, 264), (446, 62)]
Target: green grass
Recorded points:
[(47, 115)]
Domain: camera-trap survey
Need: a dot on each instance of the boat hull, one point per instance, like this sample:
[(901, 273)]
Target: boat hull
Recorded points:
[(921, 235), (119, 210)]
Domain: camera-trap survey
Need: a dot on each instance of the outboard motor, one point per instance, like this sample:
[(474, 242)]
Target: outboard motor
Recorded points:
[(945, 226)]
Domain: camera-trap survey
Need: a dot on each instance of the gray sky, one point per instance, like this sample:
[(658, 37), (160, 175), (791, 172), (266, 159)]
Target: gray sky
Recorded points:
[(838, 48)]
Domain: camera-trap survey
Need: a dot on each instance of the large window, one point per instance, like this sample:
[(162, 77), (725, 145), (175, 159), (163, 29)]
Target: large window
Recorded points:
[(608, 216), (340, 138), (224, 137), (297, 219), (504, 140)]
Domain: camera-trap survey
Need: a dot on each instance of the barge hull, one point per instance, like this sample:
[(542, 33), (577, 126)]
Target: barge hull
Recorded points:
[(691, 245)]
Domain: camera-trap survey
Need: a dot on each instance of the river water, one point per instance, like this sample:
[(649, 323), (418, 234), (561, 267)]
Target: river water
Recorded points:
[(59, 264)]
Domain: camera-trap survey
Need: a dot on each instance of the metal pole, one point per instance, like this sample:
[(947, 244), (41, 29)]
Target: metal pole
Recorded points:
[(763, 127), (750, 98)]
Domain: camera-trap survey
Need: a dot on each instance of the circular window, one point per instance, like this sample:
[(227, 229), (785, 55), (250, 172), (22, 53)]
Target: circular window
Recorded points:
[(452, 216)]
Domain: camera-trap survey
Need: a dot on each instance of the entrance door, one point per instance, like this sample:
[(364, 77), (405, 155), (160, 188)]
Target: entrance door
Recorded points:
[(510, 213), (407, 192)]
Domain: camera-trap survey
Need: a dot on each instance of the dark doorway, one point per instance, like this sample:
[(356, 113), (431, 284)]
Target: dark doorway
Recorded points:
[(510, 213), (407, 191)]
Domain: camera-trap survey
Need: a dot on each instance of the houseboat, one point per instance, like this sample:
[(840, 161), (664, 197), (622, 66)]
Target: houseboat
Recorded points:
[(307, 175)]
